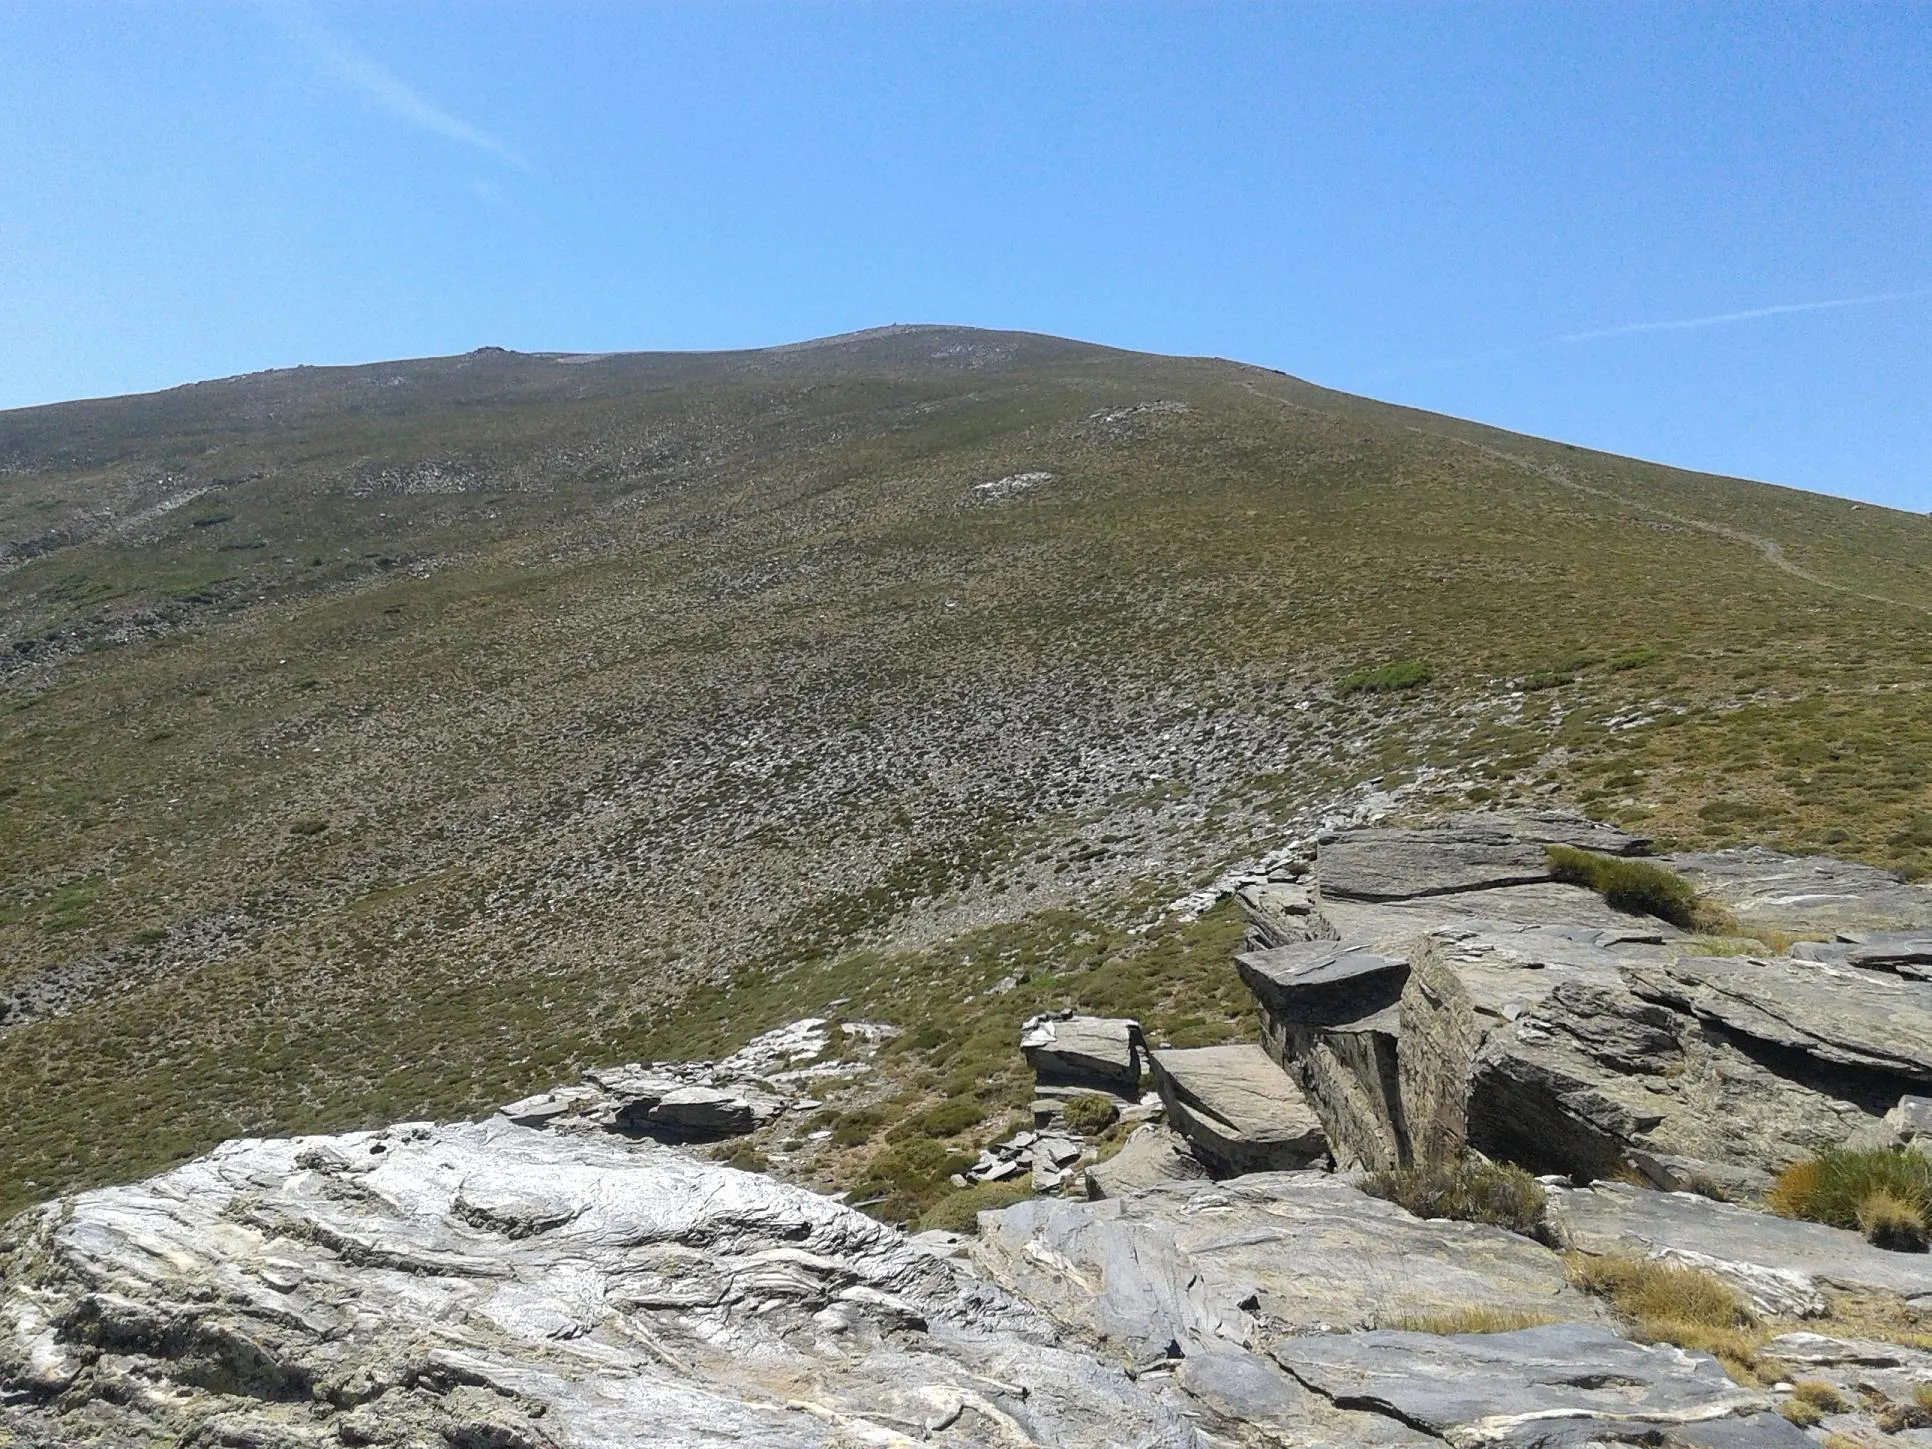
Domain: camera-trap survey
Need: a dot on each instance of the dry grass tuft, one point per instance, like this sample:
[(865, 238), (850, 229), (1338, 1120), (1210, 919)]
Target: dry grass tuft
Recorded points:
[(1820, 1395), (1883, 1193), (1473, 1191), (1665, 1303), (1889, 1221), (1479, 1318)]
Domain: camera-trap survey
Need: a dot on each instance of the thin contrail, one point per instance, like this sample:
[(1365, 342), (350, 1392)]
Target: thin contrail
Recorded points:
[(390, 91), (1631, 329), (1718, 319)]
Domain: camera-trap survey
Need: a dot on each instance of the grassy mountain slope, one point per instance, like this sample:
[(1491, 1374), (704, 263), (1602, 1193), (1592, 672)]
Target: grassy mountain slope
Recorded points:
[(390, 740)]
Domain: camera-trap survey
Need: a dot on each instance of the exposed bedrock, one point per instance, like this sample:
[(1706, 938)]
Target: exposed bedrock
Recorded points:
[(490, 1284), (1433, 990)]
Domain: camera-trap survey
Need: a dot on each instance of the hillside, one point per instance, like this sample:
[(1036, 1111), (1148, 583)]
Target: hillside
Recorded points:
[(389, 741)]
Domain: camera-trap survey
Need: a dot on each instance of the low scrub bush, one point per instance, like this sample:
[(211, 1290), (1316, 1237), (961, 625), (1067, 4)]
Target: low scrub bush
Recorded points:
[(1089, 1113), (899, 1184), (1883, 1193), (1388, 679), (1639, 886), (958, 1212), (1471, 1191), (1666, 1303)]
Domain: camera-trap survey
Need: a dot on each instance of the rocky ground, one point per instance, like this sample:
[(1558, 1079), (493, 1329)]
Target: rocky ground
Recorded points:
[(580, 1270)]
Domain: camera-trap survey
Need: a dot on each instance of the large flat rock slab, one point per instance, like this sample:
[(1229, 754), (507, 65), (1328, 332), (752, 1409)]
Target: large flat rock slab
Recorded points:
[(493, 1284), (1833, 1014), (1396, 865), (1238, 1109), (1241, 1260), (1207, 1275), (1802, 895), (1393, 925), (1561, 1384), (1736, 1242)]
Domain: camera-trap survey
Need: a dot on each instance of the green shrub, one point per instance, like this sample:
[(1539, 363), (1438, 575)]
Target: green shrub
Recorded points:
[(1089, 1113), (857, 1127), (1631, 659), (1388, 679), (958, 1212), (901, 1182), (946, 1119), (1850, 1188), (1470, 1191), (1639, 886), (1802, 1412)]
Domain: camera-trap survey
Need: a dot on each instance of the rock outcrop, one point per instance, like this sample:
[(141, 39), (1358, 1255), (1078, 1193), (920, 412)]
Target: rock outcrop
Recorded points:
[(1433, 991)]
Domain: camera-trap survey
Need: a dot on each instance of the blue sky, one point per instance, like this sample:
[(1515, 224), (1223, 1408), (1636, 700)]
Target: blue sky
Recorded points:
[(1696, 233)]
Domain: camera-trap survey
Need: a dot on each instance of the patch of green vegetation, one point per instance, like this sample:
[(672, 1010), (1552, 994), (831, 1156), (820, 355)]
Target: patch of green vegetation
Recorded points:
[(1639, 886), (1089, 1113), (1640, 657), (958, 1211), (1470, 1191), (1393, 678)]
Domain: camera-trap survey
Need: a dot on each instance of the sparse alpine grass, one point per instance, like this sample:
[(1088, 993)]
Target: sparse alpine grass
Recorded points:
[(624, 682), (1639, 886), (1481, 1318), (1884, 1193), (1469, 1190)]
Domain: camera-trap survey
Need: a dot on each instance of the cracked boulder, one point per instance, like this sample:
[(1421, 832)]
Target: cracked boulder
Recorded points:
[(1239, 1111)]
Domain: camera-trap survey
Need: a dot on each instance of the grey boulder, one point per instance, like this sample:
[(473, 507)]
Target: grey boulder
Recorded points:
[(1084, 1053), (1151, 1156), (1781, 1263), (1239, 1111)]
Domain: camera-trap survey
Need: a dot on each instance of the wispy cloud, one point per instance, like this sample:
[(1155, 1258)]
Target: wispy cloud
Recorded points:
[(1632, 329), (390, 91)]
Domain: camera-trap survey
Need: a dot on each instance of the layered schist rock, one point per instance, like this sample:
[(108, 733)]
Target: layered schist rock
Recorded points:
[(1329, 1017), (1071, 1054), (489, 1284), (1434, 990)]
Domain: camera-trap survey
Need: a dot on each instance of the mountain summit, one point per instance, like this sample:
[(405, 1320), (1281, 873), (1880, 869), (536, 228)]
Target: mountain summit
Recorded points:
[(390, 741)]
